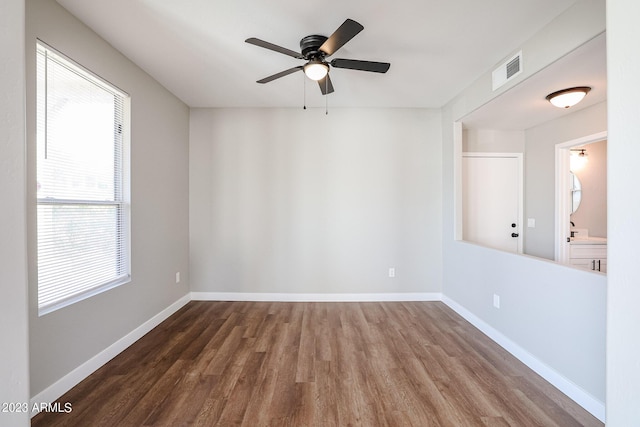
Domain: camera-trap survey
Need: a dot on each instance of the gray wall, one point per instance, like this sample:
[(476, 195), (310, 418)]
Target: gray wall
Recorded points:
[(493, 141), (623, 347), (538, 143), (14, 357), (555, 313), (623, 375), (63, 340), (540, 172), (296, 201)]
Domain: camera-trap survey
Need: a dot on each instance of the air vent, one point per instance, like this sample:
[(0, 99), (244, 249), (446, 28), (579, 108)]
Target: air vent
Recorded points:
[(513, 67), (505, 72)]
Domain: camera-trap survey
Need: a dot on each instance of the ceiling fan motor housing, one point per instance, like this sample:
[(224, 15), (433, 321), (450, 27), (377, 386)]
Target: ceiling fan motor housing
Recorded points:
[(310, 47), (315, 49)]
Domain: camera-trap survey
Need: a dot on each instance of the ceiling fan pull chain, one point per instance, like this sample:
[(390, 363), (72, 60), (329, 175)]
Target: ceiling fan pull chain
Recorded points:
[(304, 92), (314, 50), (326, 97)]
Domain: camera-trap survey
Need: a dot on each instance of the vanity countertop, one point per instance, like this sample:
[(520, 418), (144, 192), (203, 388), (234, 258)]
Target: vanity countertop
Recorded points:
[(589, 241)]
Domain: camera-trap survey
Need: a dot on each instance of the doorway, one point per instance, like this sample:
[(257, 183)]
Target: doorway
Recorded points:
[(492, 200), (564, 194)]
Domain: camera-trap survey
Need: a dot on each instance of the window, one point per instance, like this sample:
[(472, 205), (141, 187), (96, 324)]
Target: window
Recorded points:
[(82, 183)]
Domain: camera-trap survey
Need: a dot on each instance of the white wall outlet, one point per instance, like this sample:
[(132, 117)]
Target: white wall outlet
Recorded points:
[(496, 301), (392, 272), (178, 277)]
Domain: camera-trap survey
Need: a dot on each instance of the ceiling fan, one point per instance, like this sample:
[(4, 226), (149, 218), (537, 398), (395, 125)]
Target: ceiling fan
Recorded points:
[(316, 49)]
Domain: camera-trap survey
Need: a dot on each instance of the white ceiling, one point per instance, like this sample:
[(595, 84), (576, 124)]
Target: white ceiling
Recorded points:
[(525, 105), (196, 49)]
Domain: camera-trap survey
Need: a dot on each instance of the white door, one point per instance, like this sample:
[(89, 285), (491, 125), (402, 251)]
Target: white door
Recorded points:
[(492, 200)]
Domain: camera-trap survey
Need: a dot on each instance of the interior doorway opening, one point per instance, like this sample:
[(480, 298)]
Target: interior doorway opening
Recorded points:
[(565, 191)]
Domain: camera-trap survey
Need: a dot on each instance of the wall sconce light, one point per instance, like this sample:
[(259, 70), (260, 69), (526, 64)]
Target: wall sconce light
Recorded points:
[(578, 159), (566, 98)]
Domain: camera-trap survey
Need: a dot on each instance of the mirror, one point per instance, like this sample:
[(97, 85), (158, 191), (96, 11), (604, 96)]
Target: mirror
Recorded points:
[(521, 121), (576, 192)]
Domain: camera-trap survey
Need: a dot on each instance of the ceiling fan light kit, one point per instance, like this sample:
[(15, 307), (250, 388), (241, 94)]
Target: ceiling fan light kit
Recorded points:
[(316, 70), (315, 49), (566, 98)]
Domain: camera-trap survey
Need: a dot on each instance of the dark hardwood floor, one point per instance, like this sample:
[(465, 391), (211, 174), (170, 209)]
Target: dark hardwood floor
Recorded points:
[(315, 364)]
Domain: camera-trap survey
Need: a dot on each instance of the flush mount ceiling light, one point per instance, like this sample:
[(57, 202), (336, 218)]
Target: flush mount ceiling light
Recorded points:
[(316, 70), (566, 98)]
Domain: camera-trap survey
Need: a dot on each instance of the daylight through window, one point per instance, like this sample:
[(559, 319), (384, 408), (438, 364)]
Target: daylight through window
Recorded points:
[(82, 183)]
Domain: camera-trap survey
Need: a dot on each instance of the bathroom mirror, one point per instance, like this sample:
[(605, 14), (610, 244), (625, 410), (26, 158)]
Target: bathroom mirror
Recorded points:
[(576, 192), (522, 121)]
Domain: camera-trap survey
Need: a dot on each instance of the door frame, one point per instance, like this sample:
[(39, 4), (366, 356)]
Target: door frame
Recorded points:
[(519, 157), (563, 199)]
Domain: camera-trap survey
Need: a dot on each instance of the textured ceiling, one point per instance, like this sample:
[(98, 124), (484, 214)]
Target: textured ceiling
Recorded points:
[(196, 49)]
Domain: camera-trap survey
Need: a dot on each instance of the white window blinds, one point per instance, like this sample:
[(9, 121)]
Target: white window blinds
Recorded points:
[(82, 183)]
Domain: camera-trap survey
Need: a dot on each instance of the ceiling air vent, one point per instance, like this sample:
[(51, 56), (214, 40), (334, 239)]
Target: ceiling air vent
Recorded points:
[(505, 72)]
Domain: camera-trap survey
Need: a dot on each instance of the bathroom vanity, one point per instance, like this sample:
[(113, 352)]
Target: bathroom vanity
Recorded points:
[(589, 253)]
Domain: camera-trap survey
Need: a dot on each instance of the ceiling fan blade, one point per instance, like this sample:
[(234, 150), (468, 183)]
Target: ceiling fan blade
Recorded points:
[(342, 35), (280, 74), (354, 64), (274, 47), (325, 84)]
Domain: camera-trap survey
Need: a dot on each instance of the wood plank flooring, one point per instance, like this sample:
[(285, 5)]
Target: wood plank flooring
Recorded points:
[(315, 364)]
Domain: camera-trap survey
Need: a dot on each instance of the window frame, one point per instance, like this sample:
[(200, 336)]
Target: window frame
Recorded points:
[(121, 223)]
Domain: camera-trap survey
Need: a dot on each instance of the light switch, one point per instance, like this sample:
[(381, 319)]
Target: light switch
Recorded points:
[(496, 300), (531, 222)]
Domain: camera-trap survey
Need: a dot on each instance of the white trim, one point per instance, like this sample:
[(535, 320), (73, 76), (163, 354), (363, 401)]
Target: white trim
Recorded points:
[(563, 212), (73, 378), (457, 180), (566, 386), (286, 297), (574, 392)]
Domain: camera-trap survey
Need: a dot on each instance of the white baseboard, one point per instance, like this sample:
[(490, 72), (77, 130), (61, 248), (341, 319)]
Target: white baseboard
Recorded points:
[(284, 297), (575, 393), (66, 383)]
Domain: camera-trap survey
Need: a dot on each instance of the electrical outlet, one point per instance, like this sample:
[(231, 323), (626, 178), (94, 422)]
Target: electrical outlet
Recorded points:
[(496, 301), (392, 272), (178, 277)]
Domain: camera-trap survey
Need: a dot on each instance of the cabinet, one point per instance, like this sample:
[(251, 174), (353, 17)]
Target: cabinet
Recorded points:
[(589, 256)]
